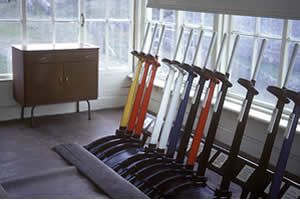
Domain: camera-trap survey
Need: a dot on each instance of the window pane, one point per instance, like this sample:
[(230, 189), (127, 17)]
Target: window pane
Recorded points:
[(38, 9), (268, 73), (39, 32), (167, 49), (118, 44), (66, 9), (272, 27), (67, 32), (119, 9), (192, 18), (94, 9), (10, 33), (183, 46), (169, 43), (10, 10), (295, 31), (241, 65), (208, 19), (155, 14), (155, 42), (95, 34), (192, 48), (243, 24), (202, 54), (169, 16)]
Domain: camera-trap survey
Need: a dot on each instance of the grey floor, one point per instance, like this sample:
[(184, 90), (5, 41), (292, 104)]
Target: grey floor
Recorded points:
[(26, 155)]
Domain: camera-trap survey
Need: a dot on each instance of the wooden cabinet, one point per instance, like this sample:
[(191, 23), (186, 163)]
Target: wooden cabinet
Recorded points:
[(50, 74)]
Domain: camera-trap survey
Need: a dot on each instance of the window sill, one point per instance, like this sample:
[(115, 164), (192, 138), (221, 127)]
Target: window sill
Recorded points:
[(233, 104), (6, 77)]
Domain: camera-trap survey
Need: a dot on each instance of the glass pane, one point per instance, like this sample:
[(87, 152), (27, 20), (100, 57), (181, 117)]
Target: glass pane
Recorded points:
[(295, 31), (155, 42), (118, 44), (67, 32), (208, 19), (168, 43), (155, 14), (192, 18), (294, 80), (94, 9), (243, 24), (268, 73), (192, 48), (10, 9), (183, 47), (66, 9), (119, 9), (95, 34), (169, 16), (167, 49), (10, 33), (272, 27), (241, 65), (39, 32), (202, 54), (38, 9)]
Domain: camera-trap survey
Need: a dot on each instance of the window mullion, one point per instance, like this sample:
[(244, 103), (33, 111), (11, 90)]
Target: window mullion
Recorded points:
[(255, 45), (284, 52), (106, 34), (81, 28), (24, 22), (180, 22), (218, 29), (227, 29), (53, 21)]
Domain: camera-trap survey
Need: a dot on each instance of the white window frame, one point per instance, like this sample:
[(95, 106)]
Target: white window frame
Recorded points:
[(222, 24), (81, 32)]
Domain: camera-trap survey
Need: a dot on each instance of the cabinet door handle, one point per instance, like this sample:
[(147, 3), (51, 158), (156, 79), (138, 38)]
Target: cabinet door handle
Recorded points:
[(88, 56), (60, 80), (67, 78), (44, 58)]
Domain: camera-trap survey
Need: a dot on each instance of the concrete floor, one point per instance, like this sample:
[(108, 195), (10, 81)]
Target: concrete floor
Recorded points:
[(26, 151)]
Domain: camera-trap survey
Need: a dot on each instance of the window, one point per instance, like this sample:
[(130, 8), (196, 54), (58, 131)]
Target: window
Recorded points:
[(10, 32), (281, 36), (173, 21), (107, 24)]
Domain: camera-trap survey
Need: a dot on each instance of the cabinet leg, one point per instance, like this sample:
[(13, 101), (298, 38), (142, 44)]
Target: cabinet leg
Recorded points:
[(22, 112), (89, 109), (32, 116), (77, 106)]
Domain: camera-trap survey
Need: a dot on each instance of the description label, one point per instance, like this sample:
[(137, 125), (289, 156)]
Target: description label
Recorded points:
[(245, 173), (291, 193), (220, 160)]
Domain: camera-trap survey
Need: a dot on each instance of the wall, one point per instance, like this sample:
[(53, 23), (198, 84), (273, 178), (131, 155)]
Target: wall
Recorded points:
[(113, 89), (254, 137)]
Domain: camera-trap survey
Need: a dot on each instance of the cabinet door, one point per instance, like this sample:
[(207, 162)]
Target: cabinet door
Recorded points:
[(43, 84), (81, 81)]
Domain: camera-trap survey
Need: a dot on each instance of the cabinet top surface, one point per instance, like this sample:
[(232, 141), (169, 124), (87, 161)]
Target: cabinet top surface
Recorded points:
[(49, 47)]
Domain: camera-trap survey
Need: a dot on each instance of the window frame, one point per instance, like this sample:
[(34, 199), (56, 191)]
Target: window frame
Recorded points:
[(223, 24), (23, 20)]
